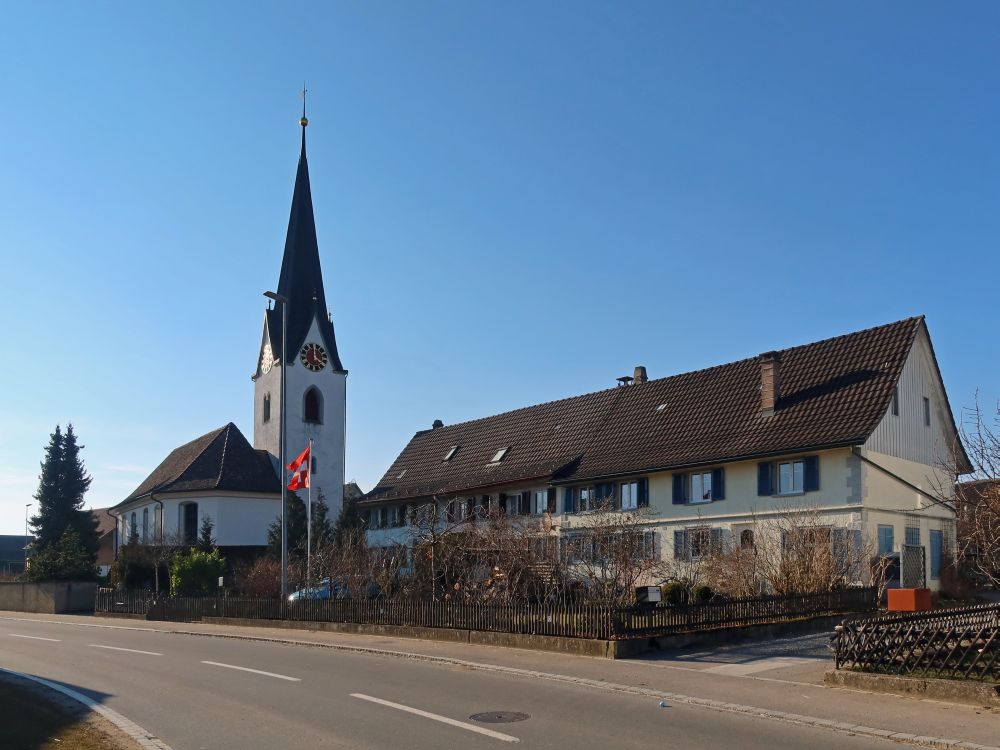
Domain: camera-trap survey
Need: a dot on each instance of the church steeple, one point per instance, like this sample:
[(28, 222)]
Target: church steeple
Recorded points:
[(301, 279)]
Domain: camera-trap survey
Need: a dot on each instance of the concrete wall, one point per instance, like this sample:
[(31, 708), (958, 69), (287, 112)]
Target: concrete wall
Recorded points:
[(51, 597)]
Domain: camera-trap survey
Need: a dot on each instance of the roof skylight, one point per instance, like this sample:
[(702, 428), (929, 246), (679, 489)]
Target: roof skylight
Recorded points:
[(400, 474), (498, 456), (451, 452)]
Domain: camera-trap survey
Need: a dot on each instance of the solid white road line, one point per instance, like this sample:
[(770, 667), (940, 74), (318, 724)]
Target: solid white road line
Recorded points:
[(436, 717), (33, 637), (130, 650), (255, 671)]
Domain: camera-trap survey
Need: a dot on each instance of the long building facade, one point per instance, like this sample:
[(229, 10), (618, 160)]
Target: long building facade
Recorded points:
[(857, 430)]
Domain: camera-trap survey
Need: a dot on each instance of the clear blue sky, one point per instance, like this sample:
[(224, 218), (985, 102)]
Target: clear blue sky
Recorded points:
[(516, 202)]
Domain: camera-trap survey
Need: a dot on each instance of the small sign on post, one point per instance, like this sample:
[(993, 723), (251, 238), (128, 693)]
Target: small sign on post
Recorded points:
[(647, 594)]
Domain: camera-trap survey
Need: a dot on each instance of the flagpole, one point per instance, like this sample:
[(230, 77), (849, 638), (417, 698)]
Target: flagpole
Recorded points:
[(309, 517)]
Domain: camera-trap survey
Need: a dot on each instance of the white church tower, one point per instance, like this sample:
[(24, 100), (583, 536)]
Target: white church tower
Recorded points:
[(316, 381)]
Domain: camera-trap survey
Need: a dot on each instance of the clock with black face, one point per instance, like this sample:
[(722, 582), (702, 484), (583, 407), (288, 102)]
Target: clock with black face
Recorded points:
[(313, 357)]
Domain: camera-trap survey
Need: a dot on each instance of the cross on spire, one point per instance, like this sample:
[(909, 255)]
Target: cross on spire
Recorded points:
[(303, 122)]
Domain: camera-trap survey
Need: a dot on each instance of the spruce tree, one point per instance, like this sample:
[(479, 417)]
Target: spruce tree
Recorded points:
[(349, 523), (296, 530), (206, 535), (62, 484), (322, 526)]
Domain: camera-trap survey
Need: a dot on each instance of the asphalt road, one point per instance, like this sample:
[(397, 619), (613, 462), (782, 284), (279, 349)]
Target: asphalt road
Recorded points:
[(198, 692)]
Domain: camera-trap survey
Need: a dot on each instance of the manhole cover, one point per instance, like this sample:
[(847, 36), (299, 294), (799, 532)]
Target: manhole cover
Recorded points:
[(499, 717)]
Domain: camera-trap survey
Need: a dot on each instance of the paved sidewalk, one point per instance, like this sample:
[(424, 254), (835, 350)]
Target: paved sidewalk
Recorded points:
[(780, 675)]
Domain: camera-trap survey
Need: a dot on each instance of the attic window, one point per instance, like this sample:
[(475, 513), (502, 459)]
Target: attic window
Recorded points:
[(498, 456), (401, 474), (451, 452), (661, 407)]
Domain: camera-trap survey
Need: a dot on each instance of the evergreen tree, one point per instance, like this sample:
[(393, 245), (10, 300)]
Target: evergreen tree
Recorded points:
[(61, 486), (206, 535), (349, 523), (322, 526), (296, 530)]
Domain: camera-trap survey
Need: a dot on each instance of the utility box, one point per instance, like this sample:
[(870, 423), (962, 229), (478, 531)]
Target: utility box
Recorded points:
[(909, 600), (647, 594)]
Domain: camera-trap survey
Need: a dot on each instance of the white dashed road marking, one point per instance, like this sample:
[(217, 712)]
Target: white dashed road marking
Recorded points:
[(437, 717), (255, 671), (130, 650), (33, 637)]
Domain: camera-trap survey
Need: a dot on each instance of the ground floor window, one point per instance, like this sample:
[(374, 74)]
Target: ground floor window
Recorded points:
[(886, 543)]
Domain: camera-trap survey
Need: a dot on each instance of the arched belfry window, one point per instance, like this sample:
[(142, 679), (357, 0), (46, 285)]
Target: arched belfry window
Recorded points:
[(266, 410), (312, 406)]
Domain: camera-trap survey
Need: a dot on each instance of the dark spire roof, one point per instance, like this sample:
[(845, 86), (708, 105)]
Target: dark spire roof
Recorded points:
[(301, 280)]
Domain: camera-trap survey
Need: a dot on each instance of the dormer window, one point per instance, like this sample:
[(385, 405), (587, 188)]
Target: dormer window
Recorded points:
[(499, 455), (451, 452)]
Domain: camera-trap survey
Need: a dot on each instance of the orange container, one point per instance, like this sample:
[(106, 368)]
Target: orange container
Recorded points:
[(909, 600)]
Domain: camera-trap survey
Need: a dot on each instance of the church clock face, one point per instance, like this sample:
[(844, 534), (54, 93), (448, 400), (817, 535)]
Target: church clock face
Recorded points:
[(266, 359), (313, 357)]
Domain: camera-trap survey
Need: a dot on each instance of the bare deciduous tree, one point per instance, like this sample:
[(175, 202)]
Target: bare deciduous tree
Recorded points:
[(979, 499)]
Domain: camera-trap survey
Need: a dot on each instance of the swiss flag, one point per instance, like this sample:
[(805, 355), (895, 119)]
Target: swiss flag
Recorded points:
[(300, 466)]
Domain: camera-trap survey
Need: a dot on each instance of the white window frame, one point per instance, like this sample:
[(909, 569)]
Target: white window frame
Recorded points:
[(450, 454), (541, 502), (798, 464), (629, 495), (499, 455), (586, 497), (689, 542), (696, 487)]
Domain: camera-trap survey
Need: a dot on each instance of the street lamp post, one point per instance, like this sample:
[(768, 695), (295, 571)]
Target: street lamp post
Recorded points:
[(283, 301), (26, 506)]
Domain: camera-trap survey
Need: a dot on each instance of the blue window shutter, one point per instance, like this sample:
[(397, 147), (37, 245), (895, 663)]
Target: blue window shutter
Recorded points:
[(810, 482), (643, 500), (569, 502), (679, 498), (764, 485), (680, 545), (718, 484)]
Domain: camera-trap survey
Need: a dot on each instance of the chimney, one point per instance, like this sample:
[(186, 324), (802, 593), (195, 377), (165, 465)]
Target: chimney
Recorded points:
[(437, 424), (770, 382), (640, 375)]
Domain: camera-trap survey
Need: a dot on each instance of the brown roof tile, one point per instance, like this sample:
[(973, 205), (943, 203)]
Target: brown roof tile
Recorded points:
[(834, 392)]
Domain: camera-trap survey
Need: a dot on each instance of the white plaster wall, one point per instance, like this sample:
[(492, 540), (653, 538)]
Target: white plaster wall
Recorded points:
[(329, 439), (239, 520)]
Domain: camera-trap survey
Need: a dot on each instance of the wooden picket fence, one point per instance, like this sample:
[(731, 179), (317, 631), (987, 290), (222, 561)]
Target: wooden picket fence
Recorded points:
[(959, 643), (573, 621)]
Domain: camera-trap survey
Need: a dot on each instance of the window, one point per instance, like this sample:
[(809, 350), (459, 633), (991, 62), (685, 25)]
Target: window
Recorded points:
[(450, 454), (913, 535), (791, 476), (145, 524), (927, 412), (630, 495), (541, 504), (312, 406), (746, 539), (937, 551), (701, 487), (895, 401), (134, 531), (587, 498), (401, 474), (498, 456), (885, 540), (692, 544), (699, 542), (189, 522)]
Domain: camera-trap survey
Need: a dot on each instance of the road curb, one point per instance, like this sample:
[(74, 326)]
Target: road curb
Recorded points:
[(126, 725)]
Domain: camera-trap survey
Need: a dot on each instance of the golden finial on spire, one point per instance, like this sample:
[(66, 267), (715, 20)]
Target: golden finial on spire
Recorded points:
[(304, 121)]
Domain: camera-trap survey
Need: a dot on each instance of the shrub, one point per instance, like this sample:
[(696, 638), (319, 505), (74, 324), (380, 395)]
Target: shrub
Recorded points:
[(65, 560), (196, 572), (262, 577), (703, 594), (674, 592)]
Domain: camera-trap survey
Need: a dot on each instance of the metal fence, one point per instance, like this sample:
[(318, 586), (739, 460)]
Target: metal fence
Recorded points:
[(574, 621), (960, 643)]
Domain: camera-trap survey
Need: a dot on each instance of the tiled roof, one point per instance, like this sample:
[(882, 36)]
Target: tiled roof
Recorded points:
[(105, 523), (833, 393), (220, 460)]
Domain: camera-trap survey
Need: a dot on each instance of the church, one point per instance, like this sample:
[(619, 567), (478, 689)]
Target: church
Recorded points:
[(222, 476)]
